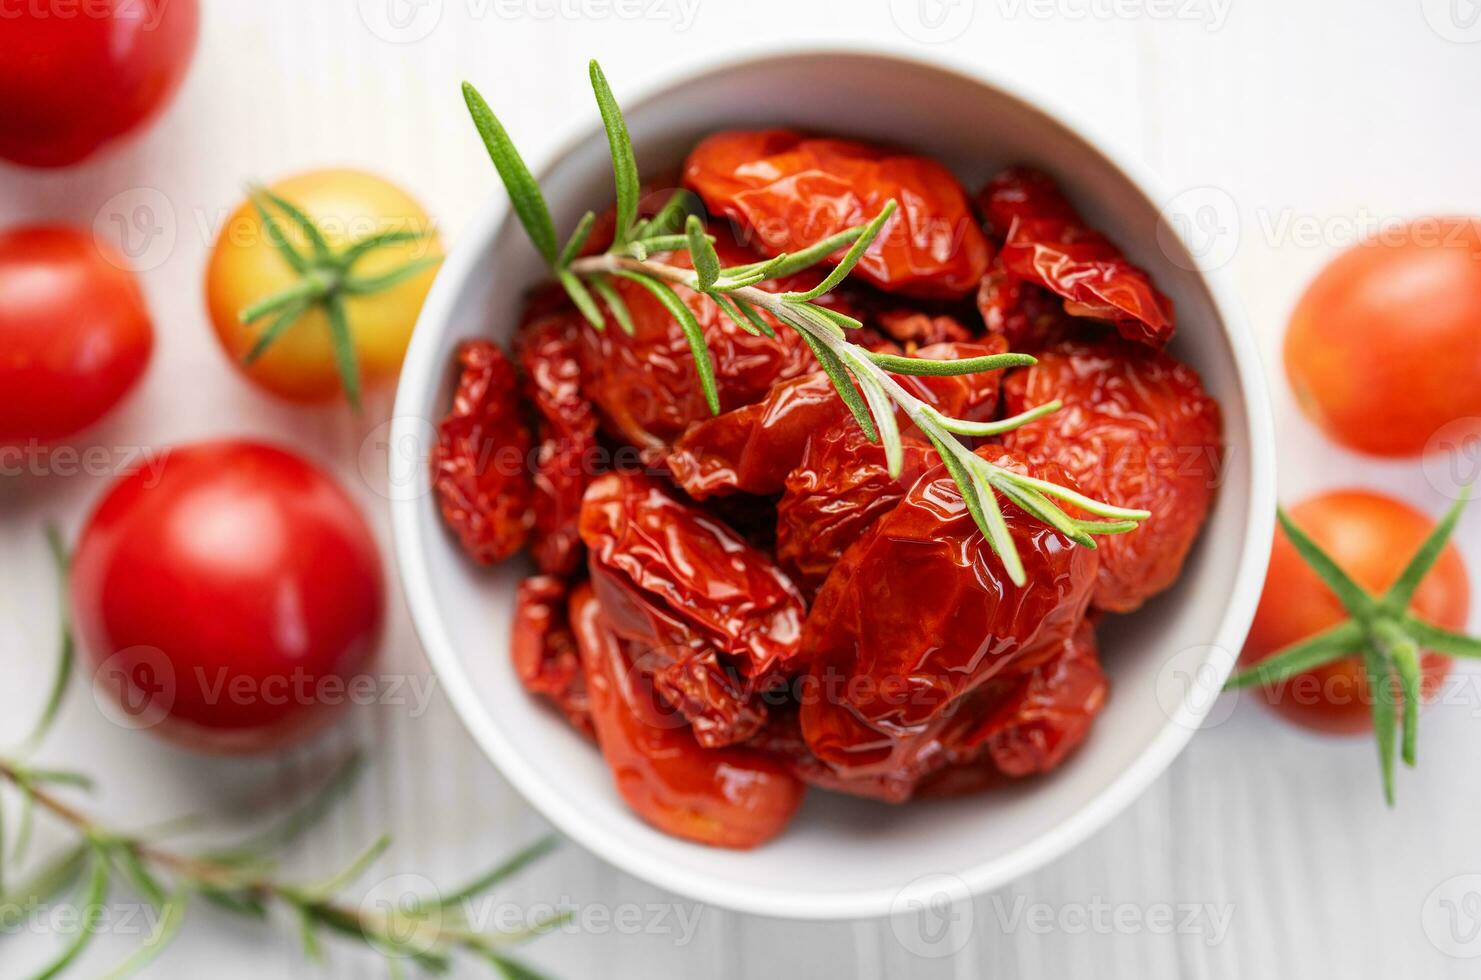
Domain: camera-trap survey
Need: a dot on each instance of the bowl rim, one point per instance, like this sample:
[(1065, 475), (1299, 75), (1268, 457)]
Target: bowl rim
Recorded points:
[(421, 373)]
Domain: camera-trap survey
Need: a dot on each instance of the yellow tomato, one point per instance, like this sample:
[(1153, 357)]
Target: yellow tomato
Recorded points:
[(248, 267)]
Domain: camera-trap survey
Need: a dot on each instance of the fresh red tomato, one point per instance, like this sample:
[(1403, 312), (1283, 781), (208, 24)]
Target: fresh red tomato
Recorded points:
[(76, 77), (74, 332), (229, 598), (1372, 537), (1384, 348)]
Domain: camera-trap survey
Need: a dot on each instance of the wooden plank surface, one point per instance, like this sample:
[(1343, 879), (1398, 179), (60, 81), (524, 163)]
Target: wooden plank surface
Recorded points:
[(1302, 123)]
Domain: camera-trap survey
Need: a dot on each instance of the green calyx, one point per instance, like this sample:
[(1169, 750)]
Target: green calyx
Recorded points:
[(325, 278), (1381, 631)]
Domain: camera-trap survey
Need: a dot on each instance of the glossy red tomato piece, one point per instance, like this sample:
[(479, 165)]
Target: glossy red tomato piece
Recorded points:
[(544, 649), (753, 449), (1383, 349), (230, 597), (668, 573), (72, 85), (841, 484), (1046, 242), (1029, 316), (646, 386), (789, 191), (1371, 537), (481, 462), (75, 334), (728, 797), (919, 613), (547, 348), (1137, 430)]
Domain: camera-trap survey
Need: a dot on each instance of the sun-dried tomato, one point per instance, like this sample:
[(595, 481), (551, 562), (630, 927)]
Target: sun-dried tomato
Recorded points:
[(1046, 242), (1137, 430), (480, 465), (789, 191), (735, 796), (920, 612), (544, 649), (916, 329), (657, 561), (1029, 316), (565, 459), (646, 386), (752, 449)]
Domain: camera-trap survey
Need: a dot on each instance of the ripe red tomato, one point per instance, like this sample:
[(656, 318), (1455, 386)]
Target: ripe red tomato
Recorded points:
[(76, 77), (230, 597), (1384, 347), (1372, 537), (74, 332)]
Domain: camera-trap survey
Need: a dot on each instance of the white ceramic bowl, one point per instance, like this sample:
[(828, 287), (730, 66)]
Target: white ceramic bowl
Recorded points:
[(847, 858)]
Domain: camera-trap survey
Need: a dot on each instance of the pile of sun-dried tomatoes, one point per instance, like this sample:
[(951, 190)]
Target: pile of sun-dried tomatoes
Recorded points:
[(737, 606)]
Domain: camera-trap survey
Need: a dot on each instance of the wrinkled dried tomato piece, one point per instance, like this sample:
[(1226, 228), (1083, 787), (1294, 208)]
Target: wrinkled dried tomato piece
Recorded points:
[(657, 559), (782, 736), (646, 386), (1029, 316), (916, 329), (721, 707), (919, 612), (1049, 713), (1137, 430), (544, 649), (565, 459), (790, 191), (752, 449), (1045, 242), (480, 465), (729, 797)]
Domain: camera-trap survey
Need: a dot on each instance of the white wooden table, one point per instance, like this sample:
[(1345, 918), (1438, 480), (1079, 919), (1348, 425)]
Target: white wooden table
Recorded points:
[(1307, 123)]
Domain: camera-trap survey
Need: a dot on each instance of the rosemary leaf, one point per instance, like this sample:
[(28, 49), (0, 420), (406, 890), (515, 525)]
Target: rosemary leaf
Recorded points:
[(844, 385), (624, 166), (91, 907), (505, 870), (850, 259), (578, 238), (728, 307), (67, 648), (669, 217), (757, 320), (693, 332), (702, 253), (615, 304), (588, 307), (524, 194), (172, 916), (925, 367)]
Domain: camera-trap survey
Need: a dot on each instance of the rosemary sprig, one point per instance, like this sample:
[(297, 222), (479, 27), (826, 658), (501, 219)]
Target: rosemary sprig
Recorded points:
[(325, 278), (862, 378), (425, 932)]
